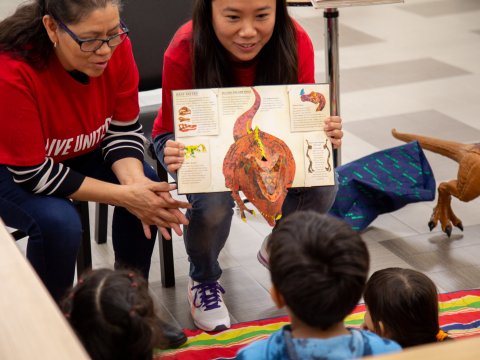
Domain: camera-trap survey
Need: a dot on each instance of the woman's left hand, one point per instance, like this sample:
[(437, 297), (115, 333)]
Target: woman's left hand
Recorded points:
[(333, 129)]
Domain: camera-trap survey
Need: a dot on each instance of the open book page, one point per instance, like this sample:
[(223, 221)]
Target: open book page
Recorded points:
[(263, 136), (343, 3)]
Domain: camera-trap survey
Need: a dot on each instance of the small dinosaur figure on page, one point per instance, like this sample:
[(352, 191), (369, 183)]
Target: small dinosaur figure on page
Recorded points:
[(260, 165), (314, 97), (465, 187), (191, 150)]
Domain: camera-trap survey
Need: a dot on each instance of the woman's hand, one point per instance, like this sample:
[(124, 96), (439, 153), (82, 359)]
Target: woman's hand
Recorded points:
[(152, 203), (174, 153), (333, 129)]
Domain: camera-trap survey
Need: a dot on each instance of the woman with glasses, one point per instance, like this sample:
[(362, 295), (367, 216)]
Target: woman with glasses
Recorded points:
[(231, 43), (69, 131)]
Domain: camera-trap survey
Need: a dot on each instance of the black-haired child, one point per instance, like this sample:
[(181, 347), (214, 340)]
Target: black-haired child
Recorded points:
[(402, 305), (114, 317), (318, 266)]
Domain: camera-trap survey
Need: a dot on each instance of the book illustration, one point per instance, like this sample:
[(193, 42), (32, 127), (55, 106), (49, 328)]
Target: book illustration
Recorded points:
[(184, 110), (310, 162), (329, 166), (272, 129), (260, 165), (186, 127), (185, 122), (314, 97), (191, 150)]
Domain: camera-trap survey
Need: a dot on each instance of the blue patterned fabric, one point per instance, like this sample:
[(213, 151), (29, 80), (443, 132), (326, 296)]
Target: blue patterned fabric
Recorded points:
[(356, 345), (382, 182)]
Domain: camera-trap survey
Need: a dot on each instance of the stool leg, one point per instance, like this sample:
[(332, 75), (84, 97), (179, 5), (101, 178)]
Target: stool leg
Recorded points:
[(101, 222), (167, 268), (84, 257)]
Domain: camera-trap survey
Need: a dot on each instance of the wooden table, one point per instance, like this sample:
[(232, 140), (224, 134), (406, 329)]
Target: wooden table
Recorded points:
[(460, 349), (332, 70), (31, 325)]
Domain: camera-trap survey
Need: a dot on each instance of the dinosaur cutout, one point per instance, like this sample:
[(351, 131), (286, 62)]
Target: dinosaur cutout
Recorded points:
[(191, 150), (465, 188), (314, 97), (260, 165)]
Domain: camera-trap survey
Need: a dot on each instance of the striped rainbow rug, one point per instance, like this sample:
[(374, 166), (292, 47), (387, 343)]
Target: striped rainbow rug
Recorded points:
[(459, 316)]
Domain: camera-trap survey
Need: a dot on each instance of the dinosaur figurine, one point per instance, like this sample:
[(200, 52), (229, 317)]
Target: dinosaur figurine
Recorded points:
[(260, 165), (467, 185), (314, 97)]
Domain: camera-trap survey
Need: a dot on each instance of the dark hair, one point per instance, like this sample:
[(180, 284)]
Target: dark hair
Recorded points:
[(113, 315), (406, 302), (319, 265), (277, 61), (24, 36)]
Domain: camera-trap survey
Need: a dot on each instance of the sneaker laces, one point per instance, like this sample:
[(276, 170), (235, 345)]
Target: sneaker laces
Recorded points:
[(209, 294)]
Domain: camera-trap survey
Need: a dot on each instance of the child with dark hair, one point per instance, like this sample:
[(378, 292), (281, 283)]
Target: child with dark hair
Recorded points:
[(113, 315), (318, 266), (402, 305)]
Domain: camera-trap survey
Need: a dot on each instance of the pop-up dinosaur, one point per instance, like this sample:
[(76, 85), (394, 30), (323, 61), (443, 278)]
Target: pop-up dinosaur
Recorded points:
[(260, 165), (467, 185)]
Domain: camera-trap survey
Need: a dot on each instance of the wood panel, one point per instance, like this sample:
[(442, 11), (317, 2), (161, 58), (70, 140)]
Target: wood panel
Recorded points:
[(31, 325)]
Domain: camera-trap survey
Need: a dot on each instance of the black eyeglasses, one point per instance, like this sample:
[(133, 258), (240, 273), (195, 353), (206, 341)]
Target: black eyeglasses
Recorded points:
[(91, 45)]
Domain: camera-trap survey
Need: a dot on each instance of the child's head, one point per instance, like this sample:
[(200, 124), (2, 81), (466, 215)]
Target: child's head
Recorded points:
[(242, 31), (319, 266), (113, 314), (402, 304)]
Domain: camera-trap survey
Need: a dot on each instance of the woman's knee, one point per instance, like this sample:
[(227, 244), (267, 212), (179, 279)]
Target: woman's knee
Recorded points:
[(150, 172), (212, 206), (61, 224)]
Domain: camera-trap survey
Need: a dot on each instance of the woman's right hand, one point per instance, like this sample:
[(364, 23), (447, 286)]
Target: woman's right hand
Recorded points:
[(152, 203), (174, 154)]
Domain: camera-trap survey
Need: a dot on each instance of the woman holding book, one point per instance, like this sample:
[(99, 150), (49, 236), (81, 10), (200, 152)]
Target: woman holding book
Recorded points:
[(231, 43)]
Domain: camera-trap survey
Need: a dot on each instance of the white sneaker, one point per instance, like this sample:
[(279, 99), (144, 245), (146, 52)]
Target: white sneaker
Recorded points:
[(208, 310), (262, 255)]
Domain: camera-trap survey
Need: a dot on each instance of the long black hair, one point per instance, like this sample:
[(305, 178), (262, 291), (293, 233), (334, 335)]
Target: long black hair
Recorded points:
[(406, 302), (113, 315), (24, 36), (277, 61)]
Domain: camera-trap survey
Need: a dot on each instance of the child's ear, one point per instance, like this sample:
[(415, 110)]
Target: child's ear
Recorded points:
[(277, 297), (383, 330)]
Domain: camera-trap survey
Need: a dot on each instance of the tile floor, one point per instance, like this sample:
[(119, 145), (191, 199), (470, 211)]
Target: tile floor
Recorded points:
[(412, 66)]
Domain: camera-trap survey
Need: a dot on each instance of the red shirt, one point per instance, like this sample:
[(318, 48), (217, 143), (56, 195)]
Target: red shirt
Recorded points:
[(177, 71), (48, 113)]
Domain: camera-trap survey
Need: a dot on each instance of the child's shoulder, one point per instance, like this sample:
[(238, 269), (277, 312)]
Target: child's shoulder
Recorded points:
[(264, 349), (374, 344)]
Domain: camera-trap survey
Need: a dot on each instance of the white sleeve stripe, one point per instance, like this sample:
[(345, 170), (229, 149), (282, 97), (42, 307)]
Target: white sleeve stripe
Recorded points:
[(111, 136), (60, 182), (31, 171), (120, 147), (118, 143), (124, 123), (48, 178)]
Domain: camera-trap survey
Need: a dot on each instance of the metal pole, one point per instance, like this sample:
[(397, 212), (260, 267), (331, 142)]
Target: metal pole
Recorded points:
[(332, 67)]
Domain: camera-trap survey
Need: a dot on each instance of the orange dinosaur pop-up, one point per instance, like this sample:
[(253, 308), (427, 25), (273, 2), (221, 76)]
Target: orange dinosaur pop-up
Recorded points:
[(260, 165), (465, 187)]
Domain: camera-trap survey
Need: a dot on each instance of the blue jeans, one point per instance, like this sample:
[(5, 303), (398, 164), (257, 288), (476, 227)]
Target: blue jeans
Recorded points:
[(55, 231), (211, 216)]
